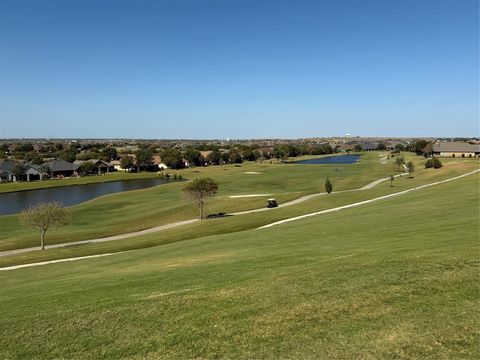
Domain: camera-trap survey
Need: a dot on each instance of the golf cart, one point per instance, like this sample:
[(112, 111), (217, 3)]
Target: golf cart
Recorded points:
[(272, 203)]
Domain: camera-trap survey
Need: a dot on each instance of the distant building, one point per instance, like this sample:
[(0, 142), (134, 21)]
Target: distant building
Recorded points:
[(456, 149), (6, 168), (369, 147), (102, 166), (61, 168)]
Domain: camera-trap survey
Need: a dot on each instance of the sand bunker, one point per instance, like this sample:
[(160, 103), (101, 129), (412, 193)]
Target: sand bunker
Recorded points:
[(247, 196)]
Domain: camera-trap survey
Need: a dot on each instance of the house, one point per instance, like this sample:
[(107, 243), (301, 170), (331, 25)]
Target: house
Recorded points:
[(32, 172), (369, 147), (205, 153), (456, 149), (157, 160), (344, 147), (116, 165), (6, 170), (58, 168), (29, 171), (102, 166)]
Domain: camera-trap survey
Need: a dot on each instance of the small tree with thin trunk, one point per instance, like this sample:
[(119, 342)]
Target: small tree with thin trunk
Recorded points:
[(199, 191), (391, 180), (45, 216), (410, 168), (399, 161), (328, 186)]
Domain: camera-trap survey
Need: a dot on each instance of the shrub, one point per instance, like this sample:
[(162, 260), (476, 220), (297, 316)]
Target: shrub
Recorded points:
[(428, 164), (437, 164)]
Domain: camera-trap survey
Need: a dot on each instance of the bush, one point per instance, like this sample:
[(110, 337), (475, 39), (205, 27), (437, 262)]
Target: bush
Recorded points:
[(437, 164), (434, 162)]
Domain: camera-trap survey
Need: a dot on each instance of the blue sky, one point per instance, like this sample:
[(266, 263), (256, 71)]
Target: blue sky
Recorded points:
[(238, 69)]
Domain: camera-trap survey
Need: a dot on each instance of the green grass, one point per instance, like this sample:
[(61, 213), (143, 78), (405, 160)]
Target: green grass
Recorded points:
[(165, 204), (136, 210), (394, 279)]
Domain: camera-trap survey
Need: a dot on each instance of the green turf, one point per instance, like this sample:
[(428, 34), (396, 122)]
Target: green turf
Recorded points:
[(120, 213), (136, 210), (394, 279)]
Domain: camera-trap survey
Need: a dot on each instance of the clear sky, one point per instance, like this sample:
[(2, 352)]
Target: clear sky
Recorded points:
[(238, 68)]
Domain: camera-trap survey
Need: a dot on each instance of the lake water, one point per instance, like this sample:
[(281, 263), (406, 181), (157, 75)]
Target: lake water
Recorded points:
[(11, 203), (342, 159)]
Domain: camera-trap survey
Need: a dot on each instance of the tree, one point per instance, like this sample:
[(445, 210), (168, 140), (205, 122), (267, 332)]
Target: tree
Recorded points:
[(279, 152), (23, 148), (69, 156), (235, 157), (392, 178), (199, 191), (127, 162), (214, 157), (45, 216), (17, 171), (381, 146), (399, 148), (193, 156), (172, 157), (110, 153), (88, 167), (144, 158), (358, 148), (328, 186), (33, 158), (399, 161), (418, 146), (410, 168), (437, 164)]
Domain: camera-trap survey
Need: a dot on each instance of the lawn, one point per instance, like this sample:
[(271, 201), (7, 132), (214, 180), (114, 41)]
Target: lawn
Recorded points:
[(136, 210), (147, 208), (394, 279)]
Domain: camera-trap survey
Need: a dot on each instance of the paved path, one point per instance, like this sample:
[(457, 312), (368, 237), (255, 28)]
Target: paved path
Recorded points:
[(194, 220), (15, 267), (366, 201), (100, 240)]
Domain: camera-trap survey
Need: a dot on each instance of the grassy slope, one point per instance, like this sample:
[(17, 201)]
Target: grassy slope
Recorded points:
[(136, 210), (237, 223), (395, 279)]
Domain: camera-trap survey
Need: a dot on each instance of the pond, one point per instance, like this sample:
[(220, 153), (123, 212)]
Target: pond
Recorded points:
[(14, 202), (342, 159)]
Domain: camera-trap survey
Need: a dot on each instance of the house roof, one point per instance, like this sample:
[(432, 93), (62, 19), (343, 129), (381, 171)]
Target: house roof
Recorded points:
[(205, 153), (455, 146), (369, 146), (32, 169), (94, 161), (61, 165), (7, 165)]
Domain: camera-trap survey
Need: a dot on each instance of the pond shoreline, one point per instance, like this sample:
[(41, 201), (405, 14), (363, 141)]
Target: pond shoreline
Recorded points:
[(74, 194)]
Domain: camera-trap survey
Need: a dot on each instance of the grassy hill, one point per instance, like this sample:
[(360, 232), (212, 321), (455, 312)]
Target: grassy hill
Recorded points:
[(394, 279)]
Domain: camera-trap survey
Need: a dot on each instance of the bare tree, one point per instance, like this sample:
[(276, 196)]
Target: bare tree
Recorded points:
[(199, 191), (399, 161), (45, 216), (410, 168)]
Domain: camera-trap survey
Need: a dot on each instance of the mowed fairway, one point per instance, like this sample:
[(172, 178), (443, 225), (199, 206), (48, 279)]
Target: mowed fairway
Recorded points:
[(394, 279), (141, 209)]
